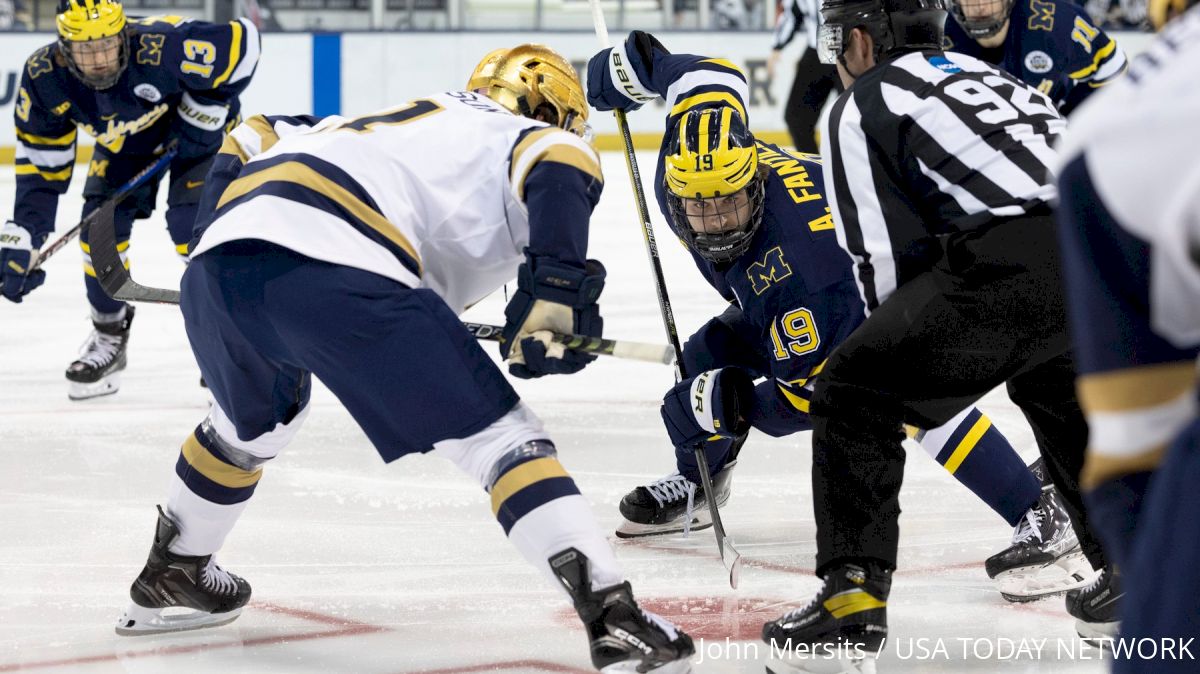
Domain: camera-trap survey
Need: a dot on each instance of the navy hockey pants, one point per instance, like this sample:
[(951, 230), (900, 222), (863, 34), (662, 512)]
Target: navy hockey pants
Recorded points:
[(261, 318)]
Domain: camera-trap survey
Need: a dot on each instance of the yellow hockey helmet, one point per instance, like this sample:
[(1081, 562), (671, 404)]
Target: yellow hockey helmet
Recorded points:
[(534, 81), (85, 20), (92, 40), (714, 188)]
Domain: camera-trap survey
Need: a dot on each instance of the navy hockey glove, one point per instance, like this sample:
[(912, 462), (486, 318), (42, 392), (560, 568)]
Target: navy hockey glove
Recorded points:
[(17, 257), (552, 297), (711, 403), (620, 77)]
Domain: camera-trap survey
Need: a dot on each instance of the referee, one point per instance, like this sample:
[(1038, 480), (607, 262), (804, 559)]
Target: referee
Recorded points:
[(937, 167)]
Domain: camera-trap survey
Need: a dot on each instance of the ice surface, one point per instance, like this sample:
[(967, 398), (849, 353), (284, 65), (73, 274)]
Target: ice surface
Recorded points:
[(363, 567)]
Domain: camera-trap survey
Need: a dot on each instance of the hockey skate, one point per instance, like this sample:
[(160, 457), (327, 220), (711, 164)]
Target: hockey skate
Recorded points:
[(624, 638), (1095, 608), (672, 505), (842, 629), (1045, 558), (97, 372), (175, 593)]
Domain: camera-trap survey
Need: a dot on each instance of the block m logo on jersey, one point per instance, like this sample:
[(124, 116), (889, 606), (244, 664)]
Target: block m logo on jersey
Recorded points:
[(772, 269)]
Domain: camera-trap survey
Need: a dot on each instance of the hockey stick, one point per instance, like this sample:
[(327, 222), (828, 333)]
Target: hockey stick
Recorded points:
[(117, 197), (730, 557), (117, 282), (647, 353)]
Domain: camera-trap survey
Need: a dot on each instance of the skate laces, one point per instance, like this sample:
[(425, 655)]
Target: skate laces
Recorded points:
[(99, 349), (672, 488), (1096, 582), (797, 612), (664, 625), (216, 579), (1029, 527)]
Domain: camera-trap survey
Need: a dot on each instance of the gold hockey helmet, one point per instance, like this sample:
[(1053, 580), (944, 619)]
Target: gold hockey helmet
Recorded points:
[(534, 81), (91, 38)]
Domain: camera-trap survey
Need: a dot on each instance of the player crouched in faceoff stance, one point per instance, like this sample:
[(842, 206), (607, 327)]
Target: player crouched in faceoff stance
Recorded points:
[(133, 84), (351, 220), (1130, 236), (757, 223)]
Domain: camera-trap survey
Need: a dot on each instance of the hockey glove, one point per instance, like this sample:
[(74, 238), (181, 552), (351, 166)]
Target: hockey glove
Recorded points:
[(620, 77), (552, 297), (17, 256), (709, 404)]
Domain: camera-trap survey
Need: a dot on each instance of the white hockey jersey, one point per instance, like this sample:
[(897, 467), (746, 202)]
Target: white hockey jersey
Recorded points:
[(430, 193), (1141, 142)]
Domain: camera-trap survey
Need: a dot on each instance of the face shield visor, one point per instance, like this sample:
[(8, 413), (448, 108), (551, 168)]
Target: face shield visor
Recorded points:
[(830, 43)]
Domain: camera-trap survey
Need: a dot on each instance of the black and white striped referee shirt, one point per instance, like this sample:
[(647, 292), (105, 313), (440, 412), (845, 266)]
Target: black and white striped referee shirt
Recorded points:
[(928, 144), (795, 15)]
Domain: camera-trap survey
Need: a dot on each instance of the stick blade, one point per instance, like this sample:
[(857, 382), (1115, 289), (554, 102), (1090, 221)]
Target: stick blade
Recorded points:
[(733, 561)]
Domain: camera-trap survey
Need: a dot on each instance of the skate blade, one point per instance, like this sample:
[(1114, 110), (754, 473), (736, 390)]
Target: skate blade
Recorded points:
[(1069, 572), (700, 522), (139, 620), (1099, 635), (631, 667), (816, 665), (104, 387)]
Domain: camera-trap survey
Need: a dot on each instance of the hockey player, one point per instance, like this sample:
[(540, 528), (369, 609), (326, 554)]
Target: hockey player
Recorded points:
[(1051, 45), (1130, 204), (940, 186), (757, 223), (386, 227), (132, 84)]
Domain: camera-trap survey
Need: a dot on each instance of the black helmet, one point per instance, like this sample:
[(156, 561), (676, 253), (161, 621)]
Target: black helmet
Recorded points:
[(894, 25), (981, 26)]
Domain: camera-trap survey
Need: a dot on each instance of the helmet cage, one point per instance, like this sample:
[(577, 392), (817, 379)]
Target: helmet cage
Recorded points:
[(91, 28), (981, 27), (719, 246), (98, 82)]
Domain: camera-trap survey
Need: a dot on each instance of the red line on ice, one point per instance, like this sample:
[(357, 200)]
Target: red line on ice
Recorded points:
[(345, 628)]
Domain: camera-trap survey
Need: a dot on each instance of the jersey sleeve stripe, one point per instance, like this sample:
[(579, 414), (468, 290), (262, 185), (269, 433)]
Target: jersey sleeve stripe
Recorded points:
[(709, 79), (320, 185), (725, 63), (1101, 55), (55, 159), (253, 49), (54, 176), (235, 53), (697, 100), (1134, 388), (31, 139), (550, 144)]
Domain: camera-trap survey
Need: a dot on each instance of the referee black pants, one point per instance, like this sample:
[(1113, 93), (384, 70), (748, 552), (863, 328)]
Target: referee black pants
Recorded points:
[(990, 312), (812, 86)]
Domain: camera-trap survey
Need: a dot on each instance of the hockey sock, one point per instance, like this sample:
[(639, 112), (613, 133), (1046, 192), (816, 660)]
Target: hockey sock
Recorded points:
[(981, 458), (540, 508), (533, 497), (207, 494), (215, 476)]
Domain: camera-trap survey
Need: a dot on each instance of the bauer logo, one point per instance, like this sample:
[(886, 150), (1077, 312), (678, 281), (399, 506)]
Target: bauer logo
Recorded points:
[(148, 92), (1038, 62)]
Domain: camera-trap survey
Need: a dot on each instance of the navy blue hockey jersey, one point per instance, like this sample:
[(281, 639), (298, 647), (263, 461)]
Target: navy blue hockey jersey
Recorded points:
[(1051, 46), (794, 285), (183, 80)]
